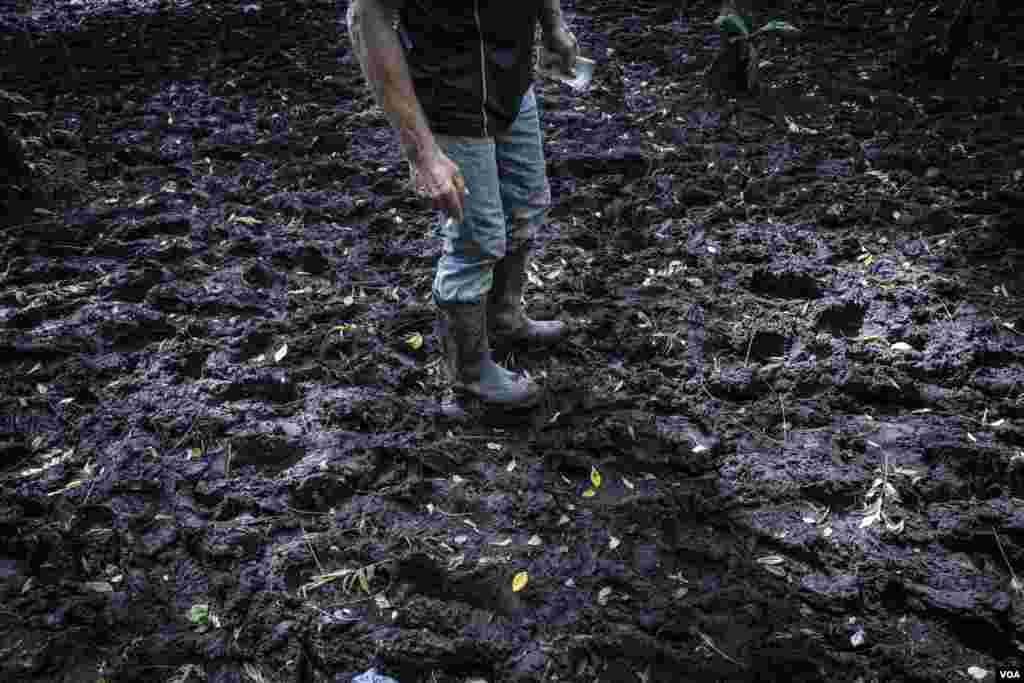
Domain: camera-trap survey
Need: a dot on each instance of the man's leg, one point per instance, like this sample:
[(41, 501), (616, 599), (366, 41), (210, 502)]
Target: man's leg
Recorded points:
[(525, 197), (464, 277)]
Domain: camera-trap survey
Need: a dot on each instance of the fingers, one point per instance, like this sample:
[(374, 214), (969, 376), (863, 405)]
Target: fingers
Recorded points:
[(451, 201), (444, 187), (449, 198)]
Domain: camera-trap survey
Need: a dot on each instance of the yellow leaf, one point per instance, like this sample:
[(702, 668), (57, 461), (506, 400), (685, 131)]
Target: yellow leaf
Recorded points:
[(595, 477), (71, 485), (589, 493), (414, 341), (519, 581)]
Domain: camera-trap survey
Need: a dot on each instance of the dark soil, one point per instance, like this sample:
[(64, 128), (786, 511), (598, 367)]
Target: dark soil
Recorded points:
[(785, 310)]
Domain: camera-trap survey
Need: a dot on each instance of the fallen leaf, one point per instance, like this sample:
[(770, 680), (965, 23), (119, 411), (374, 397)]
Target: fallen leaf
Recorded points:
[(857, 639), (511, 465), (613, 543), (902, 347), (281, 353), (896, 527), (977, 673), (628, 484), (493, 446), (70, 485), (868, 520), (519, 581), (414, 341), (502, 544), (603, 595), (589, 493), (564, 519), (199, 613), (595, 477), (99, 586), (535, 540), (460, 539)]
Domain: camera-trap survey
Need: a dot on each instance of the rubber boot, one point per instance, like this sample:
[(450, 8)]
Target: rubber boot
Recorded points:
[(462, 329), (508, 321)]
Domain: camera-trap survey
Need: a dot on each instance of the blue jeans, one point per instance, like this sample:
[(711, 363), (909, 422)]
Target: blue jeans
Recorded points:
[(507, 199)]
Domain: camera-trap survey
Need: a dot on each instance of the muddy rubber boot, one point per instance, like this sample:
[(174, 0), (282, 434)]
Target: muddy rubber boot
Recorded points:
[(508, 321), (462, 329)]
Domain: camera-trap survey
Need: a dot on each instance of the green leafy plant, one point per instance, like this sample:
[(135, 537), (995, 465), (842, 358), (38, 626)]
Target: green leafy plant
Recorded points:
[(202, 617), (883, 492), (737, 27), (736, 68)]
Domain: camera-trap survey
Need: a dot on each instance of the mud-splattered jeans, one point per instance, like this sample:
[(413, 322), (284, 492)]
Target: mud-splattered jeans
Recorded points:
[(507, 200)]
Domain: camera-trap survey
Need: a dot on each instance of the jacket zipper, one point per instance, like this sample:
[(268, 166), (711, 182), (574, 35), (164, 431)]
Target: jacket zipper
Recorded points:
[(483, 66)]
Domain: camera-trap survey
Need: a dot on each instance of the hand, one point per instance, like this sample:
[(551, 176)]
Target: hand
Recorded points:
[(561, 42), (438, 178)]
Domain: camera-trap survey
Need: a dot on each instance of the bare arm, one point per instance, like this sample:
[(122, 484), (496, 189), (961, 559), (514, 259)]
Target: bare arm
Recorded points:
[(379, 51)]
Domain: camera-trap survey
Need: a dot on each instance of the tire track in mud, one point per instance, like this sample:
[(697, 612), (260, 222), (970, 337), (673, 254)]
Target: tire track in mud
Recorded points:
[(212, 399)]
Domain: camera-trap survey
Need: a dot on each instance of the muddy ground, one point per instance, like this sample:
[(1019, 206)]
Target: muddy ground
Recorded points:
[(796, 364)]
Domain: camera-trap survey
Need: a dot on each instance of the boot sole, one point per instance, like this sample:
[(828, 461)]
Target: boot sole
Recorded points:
[(471, 408)]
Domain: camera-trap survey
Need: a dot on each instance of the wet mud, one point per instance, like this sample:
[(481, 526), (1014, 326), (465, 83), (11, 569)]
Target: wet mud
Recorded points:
[(783, 442)]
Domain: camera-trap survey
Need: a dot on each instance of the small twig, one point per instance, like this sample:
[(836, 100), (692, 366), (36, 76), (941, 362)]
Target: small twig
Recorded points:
[(711, 644), (1013, 575), (946, 309), (316, 558), (92, 485), (885, 475), (227, 463), (706, 389), (746, 361), (187, 432), (785, 425)]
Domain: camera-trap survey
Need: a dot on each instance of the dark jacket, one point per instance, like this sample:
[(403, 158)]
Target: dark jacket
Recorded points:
[(471, 61)]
